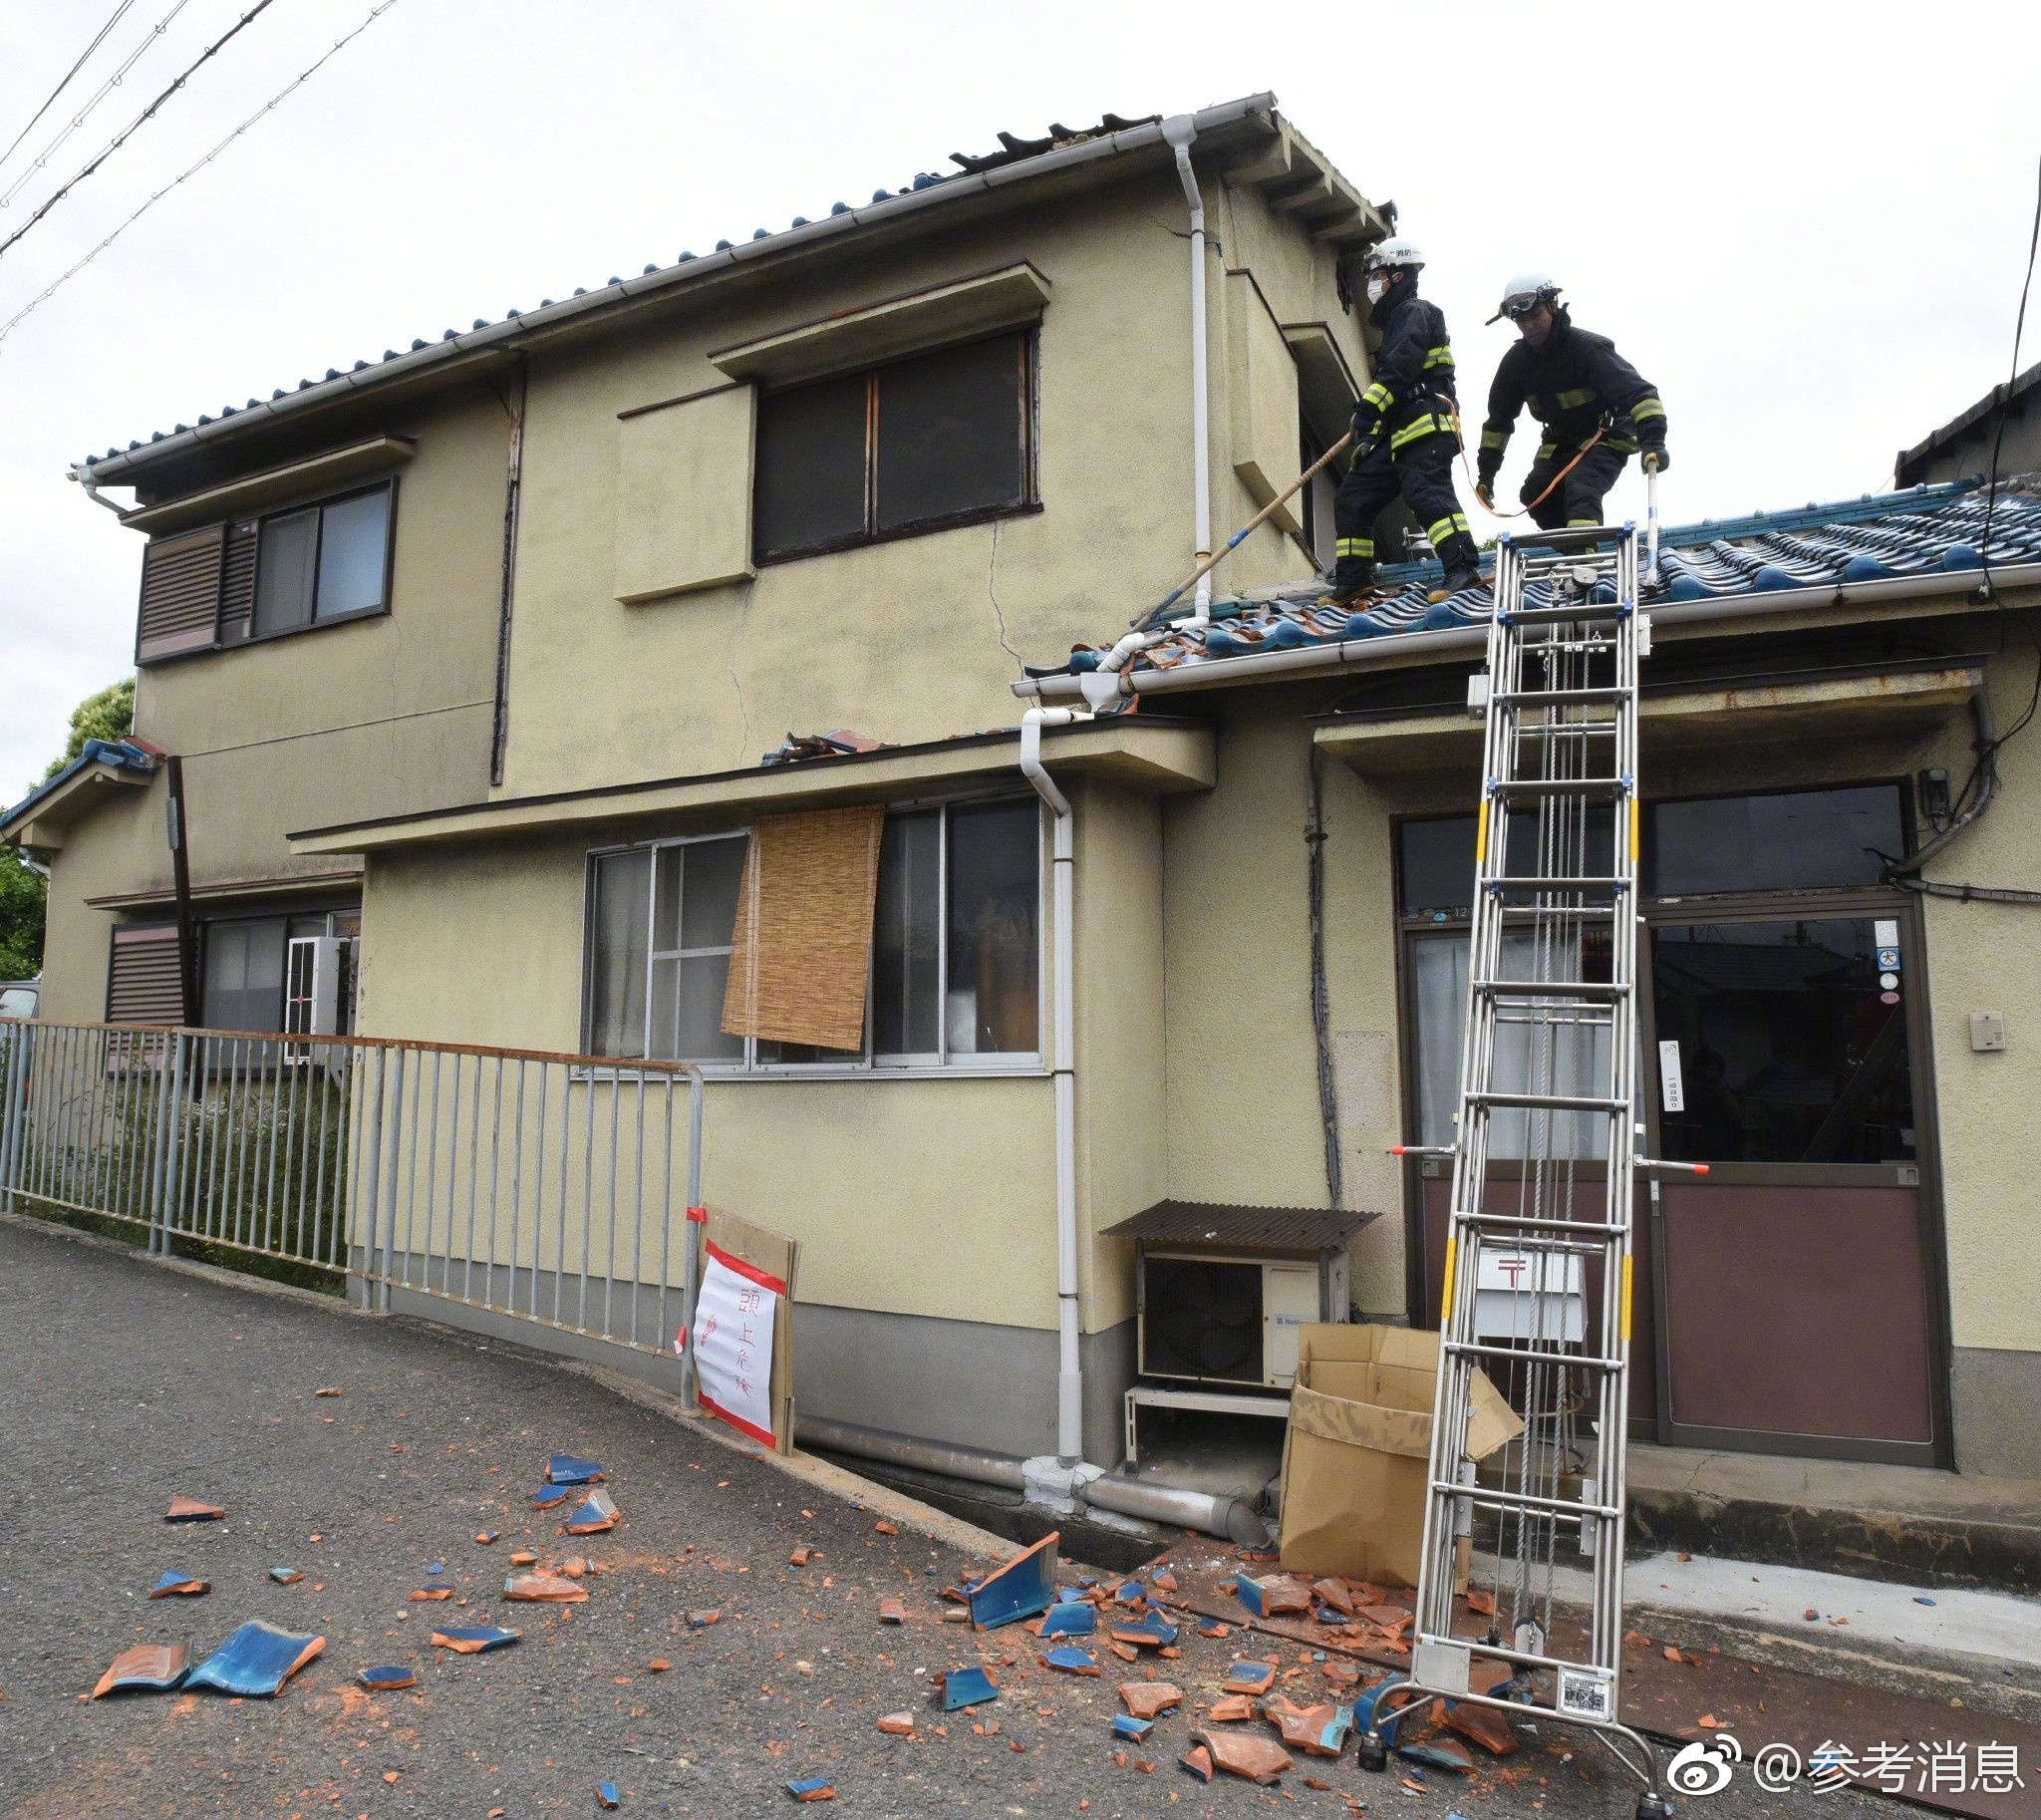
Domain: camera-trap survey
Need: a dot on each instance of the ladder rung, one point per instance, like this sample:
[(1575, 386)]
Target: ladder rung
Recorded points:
[(1603, 990), (1560, 786), (1536, 1223), (1555, 698), (1552, 1102), (1480, 1348), (1481, 1496), (1564, 538), (1575, 612), (1533, 883)]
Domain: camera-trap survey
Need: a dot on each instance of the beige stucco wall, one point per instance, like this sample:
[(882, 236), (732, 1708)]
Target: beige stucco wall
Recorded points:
[(933, 1196), (900, 640)]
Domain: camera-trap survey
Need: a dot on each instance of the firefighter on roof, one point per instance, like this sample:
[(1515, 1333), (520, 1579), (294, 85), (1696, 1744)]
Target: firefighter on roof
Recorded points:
[(1403, 434), (1597, 408)]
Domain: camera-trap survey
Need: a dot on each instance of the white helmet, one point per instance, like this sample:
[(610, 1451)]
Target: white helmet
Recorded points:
[(1525, 291), (1394, 254)]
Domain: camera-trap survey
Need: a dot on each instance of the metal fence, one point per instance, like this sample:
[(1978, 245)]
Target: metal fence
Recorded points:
[(554, 1189)]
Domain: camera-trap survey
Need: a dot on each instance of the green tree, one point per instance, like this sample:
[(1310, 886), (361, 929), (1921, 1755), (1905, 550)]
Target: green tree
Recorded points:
[(21, 917), (110, 715)]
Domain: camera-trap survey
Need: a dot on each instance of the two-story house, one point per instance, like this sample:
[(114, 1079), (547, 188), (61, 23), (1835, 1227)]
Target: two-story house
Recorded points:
[(476, 648), (479, 647)]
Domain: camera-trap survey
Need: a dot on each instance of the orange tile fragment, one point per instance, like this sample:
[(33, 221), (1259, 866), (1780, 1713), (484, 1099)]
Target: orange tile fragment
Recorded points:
[(884, 1528), (522, 1556), (1229, 1709), (1246, 1753), (427, 1594), (193, 1510), (799, 1557), (1480, 1600), (658, 1665), (548, 1589), (897, 1725), (1148, 1700)]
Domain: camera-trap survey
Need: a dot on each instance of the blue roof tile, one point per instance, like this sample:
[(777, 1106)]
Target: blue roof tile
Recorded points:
[(1926, 530)]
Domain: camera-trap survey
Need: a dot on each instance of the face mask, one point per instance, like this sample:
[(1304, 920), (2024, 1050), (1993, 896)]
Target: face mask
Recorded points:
[(1378, 286)]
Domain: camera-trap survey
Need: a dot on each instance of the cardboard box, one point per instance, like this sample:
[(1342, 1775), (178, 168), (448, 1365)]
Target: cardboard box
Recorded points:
[(1355, 1451)]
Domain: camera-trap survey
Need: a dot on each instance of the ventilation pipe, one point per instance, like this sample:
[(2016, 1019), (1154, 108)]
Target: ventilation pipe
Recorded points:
[(1178, 131)]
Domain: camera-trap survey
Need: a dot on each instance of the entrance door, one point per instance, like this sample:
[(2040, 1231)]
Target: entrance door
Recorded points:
[(1795, 1310)]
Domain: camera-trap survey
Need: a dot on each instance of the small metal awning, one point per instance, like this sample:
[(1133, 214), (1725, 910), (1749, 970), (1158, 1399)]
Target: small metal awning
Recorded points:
[(1219, 1223)]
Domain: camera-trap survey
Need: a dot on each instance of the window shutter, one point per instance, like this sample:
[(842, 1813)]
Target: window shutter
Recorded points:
[(683, 495), (144, 983), (801, 952), (238, 582), (180, 579)]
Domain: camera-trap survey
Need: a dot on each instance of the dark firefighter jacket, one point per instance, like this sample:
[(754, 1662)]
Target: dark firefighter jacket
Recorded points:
[(1412, 394), (1570, 384)]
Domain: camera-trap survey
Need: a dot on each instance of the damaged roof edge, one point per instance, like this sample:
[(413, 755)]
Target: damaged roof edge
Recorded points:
[(120, 754), (1420, 647), (108, 471)]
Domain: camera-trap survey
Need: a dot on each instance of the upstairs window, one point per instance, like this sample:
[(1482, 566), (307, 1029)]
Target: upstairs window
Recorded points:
[(936, 439), (323, 563)]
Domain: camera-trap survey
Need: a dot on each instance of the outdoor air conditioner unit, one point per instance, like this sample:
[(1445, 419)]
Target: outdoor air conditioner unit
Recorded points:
[(1226, 1319), (319, 989)]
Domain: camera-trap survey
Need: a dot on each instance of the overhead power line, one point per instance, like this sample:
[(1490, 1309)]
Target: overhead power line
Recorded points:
[(77, 119), (148, 112), (50, 290), (66, 83)]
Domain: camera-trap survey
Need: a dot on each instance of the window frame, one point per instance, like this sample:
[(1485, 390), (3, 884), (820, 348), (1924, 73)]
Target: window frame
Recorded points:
[(318, 622), (1029, 380), (865, 1065)]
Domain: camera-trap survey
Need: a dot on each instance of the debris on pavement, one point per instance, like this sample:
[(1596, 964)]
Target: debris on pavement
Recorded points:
[(892, 1611), (1274, 1596), (1077, 1618), (1246, 1753), (545, 1588), (193, 1510), (1020, 1589), (800, 1557), (1319, 1730), (1229, 1708), (1483, 1724), (327, 1390), (700, 1621), (388, 1678), (597, 1514), (474, 1638), (522, 1556), (1198, 1760), (285, 1576), (547, 1497), (1255, 1677), (884, 1528), (158, 1667), (485, 1537), (967, 1688), (1126, 1726), (255, 1660), (1069, 1660), (897, 1725), (814, 1788), (606, 1793), (1150, 1699), (565, 1469), (188, 1585), (426, 1595)]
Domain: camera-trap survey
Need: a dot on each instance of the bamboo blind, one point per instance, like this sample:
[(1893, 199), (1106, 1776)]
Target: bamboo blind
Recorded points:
[(801, 952)]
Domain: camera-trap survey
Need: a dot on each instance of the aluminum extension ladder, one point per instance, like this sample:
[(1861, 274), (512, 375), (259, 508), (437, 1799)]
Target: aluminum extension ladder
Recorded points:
[(1547, 1081)]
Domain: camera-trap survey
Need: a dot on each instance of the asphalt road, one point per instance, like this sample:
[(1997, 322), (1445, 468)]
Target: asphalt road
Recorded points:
[(127, 1384)]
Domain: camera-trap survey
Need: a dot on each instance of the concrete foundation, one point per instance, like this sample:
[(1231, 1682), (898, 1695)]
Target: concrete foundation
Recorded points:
[(1997, 1397)]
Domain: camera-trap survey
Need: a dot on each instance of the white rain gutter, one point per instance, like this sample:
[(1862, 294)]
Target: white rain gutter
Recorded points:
[(1179, 130), (1306, 660), (1063, 849), (519, 329)]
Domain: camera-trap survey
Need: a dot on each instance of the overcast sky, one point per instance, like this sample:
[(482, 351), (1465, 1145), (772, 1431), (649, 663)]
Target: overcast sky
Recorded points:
[(1806, 223)]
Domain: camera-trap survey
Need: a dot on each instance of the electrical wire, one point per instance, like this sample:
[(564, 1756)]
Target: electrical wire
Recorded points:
[(50, 102), (50, 290), (141, 120), (42, 158)]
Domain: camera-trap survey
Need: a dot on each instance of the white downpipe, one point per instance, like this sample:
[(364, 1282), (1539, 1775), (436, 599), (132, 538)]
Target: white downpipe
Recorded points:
[(1063, 853), (1178, 131)]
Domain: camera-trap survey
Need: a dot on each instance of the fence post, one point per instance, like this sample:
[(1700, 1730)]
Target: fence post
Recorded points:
[(390, 1211), (690, 1258), (158, 1230), (174, 1161), (369, 1158), (18, 1039)]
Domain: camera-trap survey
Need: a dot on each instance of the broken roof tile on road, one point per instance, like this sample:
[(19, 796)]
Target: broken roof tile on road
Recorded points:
[(1149, 1699), (388, 1678), (1069, 1660), (255, 1660), (193, 1510), (149, 1666), (567, 1470), (285, 1576), (188, 1585), (1069, 1618), (1246, 1753), (812, 1788), (597, 1514), (1025, 1585), (545, 1588), (473, 1639), (967, 1688), (606, 1793)]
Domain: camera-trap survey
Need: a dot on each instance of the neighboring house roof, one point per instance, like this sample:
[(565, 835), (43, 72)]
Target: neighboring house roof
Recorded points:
[(1930, 530), (1335, 214), (99, 755), (1907, 468)]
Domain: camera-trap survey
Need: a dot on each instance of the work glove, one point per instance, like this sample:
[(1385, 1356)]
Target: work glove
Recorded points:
[(1655, 459), (1484, 491)]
